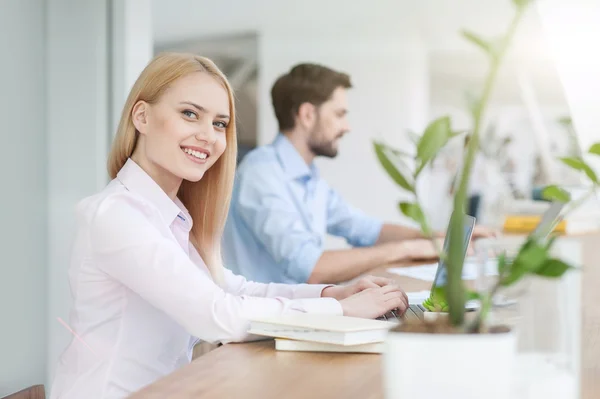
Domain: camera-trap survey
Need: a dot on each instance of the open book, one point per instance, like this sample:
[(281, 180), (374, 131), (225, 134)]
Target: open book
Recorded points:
[(340, 330)]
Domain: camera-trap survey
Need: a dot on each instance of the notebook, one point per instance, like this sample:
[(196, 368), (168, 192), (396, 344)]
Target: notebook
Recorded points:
[(340, 330), (283, 344)]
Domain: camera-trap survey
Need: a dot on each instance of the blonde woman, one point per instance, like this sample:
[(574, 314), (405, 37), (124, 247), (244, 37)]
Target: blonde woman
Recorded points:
[(146, 275)]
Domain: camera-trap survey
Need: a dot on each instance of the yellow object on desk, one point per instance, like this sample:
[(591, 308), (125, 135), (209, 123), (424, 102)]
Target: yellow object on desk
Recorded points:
[(528, 223)]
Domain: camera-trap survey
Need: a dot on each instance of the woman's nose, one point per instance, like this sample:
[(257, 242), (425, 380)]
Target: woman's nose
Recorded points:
[(206, 133)]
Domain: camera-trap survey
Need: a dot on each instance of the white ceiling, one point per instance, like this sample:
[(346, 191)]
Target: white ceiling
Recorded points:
[(180, 19), (454, 63), (437, 20)]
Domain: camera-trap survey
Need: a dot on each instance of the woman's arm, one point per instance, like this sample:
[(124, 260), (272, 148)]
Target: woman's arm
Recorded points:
[(129, 248), (238, 285)]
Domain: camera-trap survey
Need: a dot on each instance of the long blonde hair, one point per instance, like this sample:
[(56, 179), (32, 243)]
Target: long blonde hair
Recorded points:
[(208, 199)]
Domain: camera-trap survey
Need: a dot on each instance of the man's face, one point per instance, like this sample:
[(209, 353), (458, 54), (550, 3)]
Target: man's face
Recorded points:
[(330, 125)]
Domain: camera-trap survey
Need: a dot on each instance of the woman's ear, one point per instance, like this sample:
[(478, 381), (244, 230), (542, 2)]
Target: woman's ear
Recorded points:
[(139, 116)]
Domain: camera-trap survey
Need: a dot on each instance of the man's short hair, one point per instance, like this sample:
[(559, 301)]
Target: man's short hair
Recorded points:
[(304, 83)]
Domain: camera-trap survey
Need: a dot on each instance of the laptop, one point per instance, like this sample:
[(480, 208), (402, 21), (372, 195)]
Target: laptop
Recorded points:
[(548, 222), (417, 309), (550, 219)]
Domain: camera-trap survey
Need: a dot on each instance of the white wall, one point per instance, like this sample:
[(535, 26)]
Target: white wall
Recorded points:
[(132, 48), (96, 49), (23, 203), (390, 94), (78, 111)]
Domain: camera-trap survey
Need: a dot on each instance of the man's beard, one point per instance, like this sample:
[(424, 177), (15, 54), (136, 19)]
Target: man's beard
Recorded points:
[(321, 147)]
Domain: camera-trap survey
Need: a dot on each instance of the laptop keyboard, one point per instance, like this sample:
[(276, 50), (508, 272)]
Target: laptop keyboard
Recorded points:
[(413, 311)]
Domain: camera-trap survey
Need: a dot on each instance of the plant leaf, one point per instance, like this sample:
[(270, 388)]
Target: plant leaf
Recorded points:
[(399, 152), (438, 294), (555, 193), (553, 268), (436, 136), (413, 137), (521, 3), (501, 264), (595, 149), (579, 164), (531, 255), (391, 169), (415, 212), (473, 102), (514, 275), (530, 258), (473, 295), (479, 42), (565, 121), (436, 301)]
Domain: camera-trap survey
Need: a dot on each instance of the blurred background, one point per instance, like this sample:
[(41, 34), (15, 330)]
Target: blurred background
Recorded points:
[(66, 67)]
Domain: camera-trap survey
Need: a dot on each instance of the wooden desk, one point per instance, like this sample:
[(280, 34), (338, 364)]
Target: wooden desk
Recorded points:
[(256, 370)]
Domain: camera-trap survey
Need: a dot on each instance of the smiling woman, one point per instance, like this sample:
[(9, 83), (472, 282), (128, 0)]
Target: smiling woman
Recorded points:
[(182, 109), (146, 271)]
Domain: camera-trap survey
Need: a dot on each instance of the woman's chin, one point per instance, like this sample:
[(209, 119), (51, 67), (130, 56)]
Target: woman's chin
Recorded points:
[(194, 176)]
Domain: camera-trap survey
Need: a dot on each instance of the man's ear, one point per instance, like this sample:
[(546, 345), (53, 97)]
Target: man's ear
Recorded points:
[(139, 116), (307, 115)]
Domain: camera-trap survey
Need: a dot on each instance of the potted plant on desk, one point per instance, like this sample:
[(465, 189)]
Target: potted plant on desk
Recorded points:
[(454, 357)]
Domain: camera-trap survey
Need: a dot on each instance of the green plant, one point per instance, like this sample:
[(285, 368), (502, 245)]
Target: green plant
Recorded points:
[(533, 257)]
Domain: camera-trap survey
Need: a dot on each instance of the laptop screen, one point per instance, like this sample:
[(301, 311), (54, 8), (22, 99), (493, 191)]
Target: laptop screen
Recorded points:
[(548, 221), (442, 273)]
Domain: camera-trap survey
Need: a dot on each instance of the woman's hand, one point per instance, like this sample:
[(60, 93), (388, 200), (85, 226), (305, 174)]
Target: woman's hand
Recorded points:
[(374, 302), (340, 292)]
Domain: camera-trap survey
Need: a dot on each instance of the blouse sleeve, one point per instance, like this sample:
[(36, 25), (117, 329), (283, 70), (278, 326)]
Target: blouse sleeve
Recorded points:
[(129, 248)]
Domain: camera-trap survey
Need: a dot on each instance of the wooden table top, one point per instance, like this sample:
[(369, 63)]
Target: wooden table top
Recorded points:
[(257, 370)]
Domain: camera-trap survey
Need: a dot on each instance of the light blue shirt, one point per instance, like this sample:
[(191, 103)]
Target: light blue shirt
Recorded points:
[(281, 211)]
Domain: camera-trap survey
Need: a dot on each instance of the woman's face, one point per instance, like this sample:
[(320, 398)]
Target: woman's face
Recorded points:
[(184, 133)]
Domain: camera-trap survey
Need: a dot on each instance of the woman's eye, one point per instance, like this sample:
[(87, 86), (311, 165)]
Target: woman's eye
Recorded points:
[(190, 114), (221, 125)]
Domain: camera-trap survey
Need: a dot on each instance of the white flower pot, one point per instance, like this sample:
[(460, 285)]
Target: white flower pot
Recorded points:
[(449, 366)]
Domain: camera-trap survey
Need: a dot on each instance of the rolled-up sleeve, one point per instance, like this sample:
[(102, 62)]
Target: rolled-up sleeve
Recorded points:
[(273, 219), (130, 249), (344, 220)]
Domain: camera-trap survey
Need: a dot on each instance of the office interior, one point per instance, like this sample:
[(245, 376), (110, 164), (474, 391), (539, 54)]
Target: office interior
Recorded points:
[(66, 67)]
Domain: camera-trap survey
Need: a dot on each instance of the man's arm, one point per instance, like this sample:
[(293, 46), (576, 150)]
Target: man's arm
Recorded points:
[(345, 264), (342, 265), (394, 232), (364, 233)]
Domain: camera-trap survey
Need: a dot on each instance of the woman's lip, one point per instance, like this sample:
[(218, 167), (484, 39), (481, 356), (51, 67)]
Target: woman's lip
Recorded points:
[(199, 149), (195, 159)]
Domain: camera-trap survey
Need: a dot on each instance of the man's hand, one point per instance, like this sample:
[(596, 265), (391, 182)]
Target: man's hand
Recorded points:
[(484, 232), (421, 249), (340, 292)]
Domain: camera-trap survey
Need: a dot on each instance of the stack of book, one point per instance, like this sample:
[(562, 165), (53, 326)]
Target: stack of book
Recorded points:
[(323, 333)]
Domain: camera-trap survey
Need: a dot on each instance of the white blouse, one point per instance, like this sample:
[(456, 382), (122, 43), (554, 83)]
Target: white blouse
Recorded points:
[(143, 296)]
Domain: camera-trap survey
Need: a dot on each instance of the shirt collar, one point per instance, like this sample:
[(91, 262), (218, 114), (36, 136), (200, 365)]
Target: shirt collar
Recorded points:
[(291, 160), (136, 180)]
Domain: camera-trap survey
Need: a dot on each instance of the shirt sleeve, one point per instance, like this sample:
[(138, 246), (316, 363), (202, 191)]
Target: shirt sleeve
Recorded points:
[(344, 220), (268, 212), (238, 285), (127, 246)]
